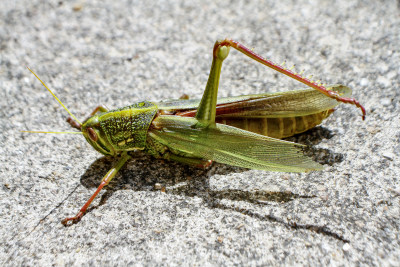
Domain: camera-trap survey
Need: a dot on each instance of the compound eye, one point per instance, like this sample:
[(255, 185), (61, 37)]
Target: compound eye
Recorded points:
[(92, 134)]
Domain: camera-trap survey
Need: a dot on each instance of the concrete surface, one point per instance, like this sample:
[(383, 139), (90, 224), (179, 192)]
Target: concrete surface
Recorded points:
[(119, 52)]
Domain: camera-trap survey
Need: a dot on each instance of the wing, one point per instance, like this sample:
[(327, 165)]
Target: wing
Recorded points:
[(274, 105), (230, 145)]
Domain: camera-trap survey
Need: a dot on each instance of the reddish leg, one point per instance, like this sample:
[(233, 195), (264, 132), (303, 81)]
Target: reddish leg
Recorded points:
[(319, 87), (107, 178), (184, 96), (74, 123), (77, 125), (100, 108)]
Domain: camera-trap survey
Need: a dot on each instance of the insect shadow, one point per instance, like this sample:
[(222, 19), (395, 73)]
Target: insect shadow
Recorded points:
[(142, 173), (313, 137)]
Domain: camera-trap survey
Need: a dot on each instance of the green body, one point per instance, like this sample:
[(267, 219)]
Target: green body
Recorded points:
[(142, 126)]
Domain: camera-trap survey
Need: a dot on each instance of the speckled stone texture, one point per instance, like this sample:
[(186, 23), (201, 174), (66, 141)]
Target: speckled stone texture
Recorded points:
[(119, 52)]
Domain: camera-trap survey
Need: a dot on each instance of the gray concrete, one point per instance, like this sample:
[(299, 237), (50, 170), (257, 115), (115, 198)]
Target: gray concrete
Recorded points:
[(119, 52)]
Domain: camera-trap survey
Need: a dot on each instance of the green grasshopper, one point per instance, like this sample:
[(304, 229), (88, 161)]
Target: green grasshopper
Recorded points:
[(242, 131)]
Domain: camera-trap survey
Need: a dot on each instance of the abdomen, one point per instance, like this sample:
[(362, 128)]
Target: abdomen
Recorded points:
[(277, 127)]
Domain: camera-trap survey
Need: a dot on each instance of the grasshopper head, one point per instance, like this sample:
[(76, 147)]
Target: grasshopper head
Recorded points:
[(96, 137)]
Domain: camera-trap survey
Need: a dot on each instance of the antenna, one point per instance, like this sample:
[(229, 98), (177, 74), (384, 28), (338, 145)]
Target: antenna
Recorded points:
[(59, 101)]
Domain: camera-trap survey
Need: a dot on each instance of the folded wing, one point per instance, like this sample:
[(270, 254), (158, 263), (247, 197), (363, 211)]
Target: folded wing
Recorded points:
[(230, 145)]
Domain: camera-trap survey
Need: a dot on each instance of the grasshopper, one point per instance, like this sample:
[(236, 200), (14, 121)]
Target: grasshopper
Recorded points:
[(242, 131)]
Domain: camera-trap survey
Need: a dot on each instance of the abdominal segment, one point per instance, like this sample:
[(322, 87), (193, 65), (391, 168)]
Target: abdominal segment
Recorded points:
[(276, 127)]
